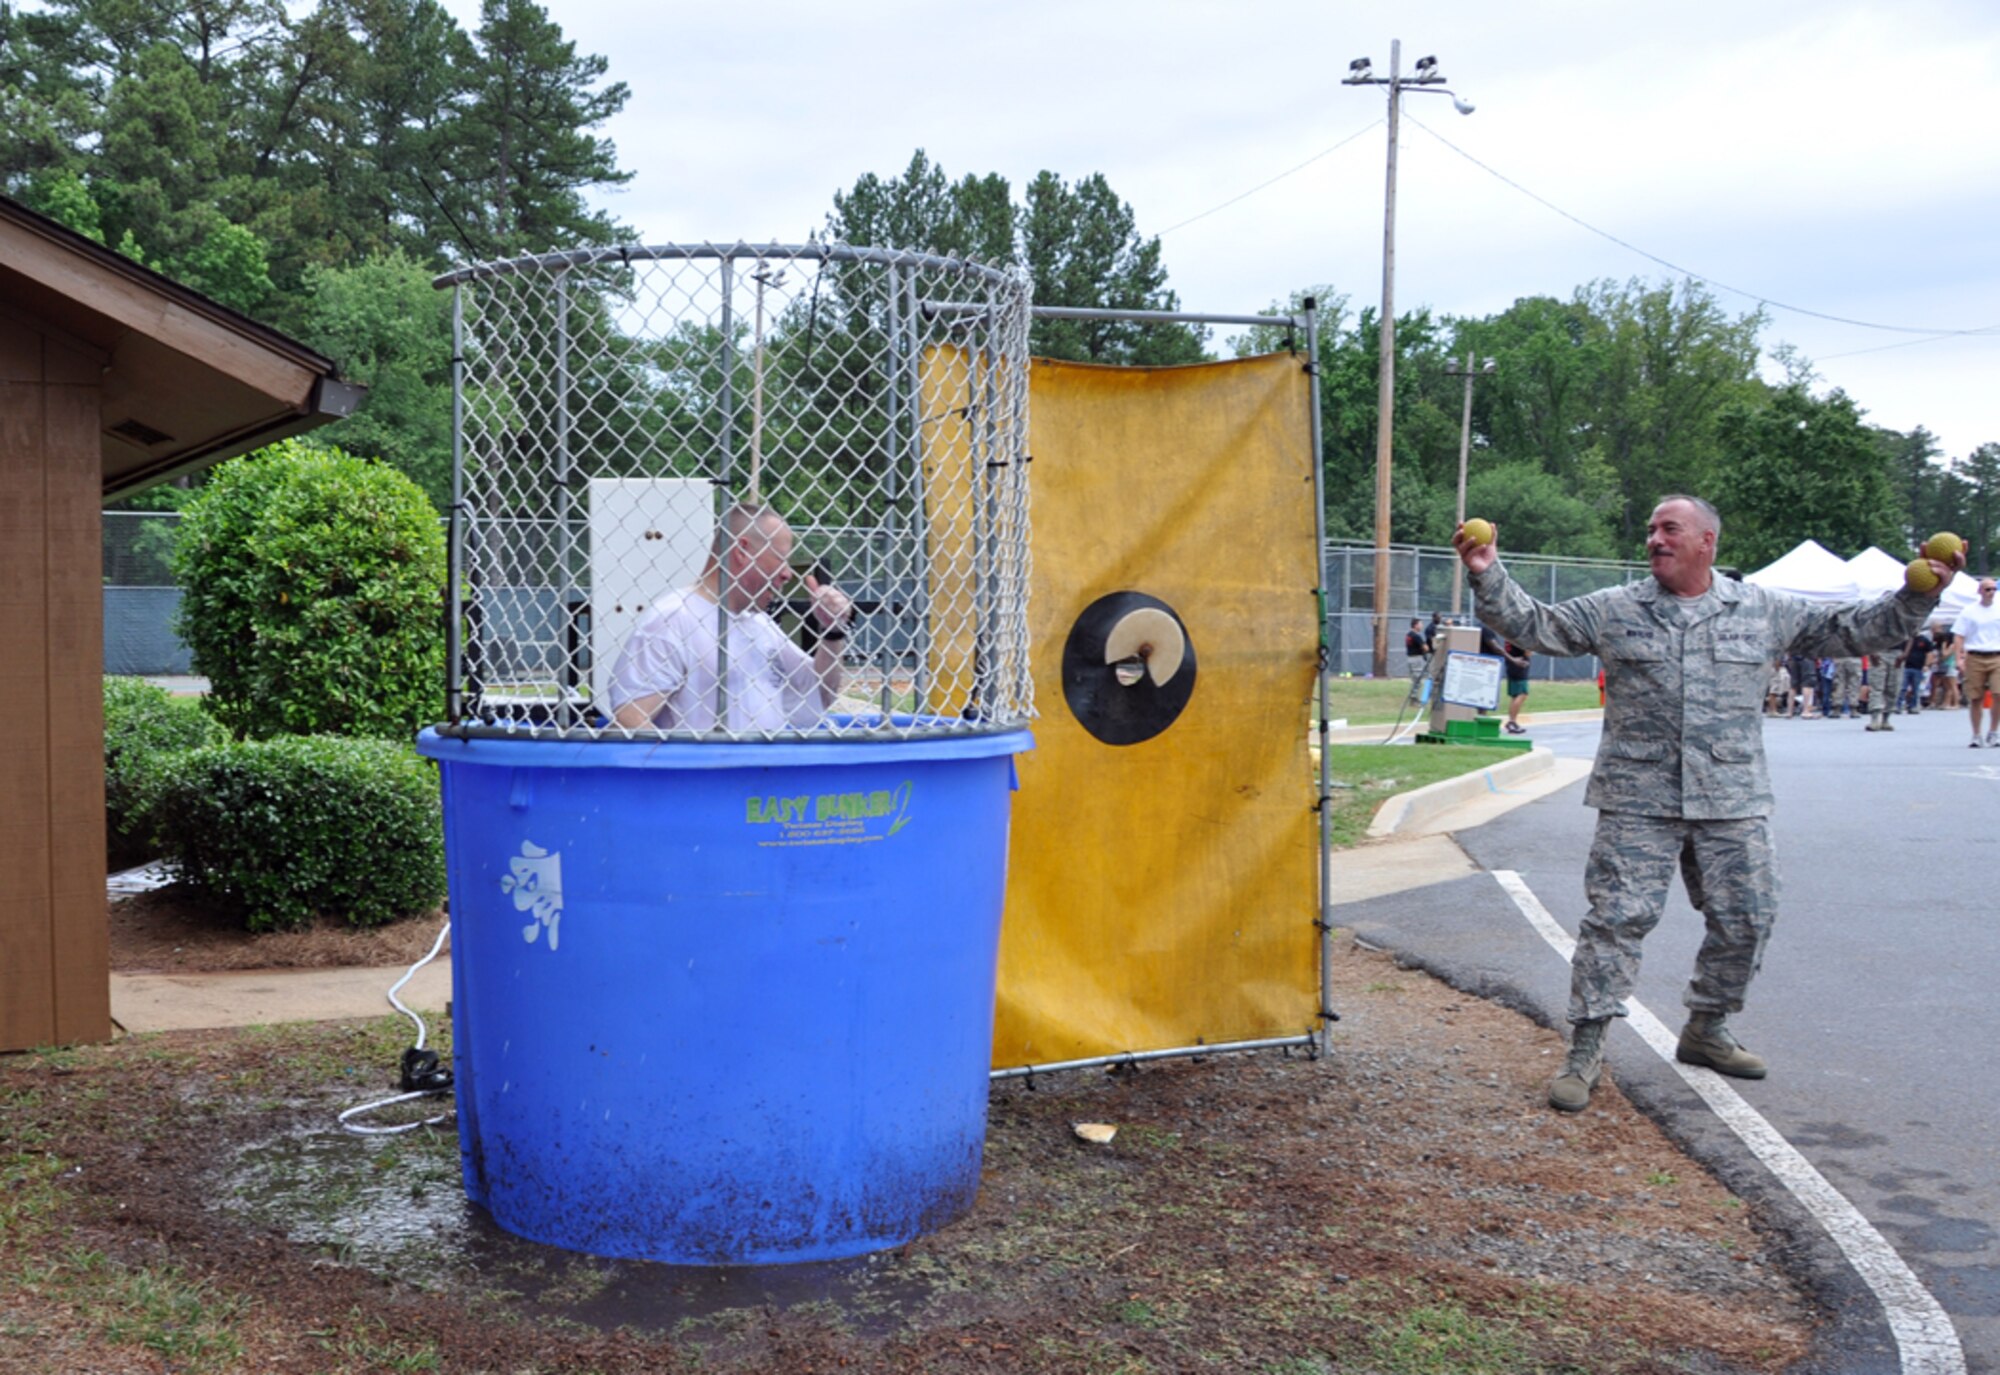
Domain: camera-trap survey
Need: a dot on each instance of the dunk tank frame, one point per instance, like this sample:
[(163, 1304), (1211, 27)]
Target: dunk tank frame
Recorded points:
[(630, 390)]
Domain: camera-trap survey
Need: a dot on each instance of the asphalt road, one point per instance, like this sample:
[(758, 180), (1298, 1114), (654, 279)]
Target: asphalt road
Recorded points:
[(1876, 1007)]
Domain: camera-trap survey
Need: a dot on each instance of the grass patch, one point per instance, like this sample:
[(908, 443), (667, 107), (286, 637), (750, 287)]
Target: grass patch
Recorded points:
[(1375, 773), (1372, 701), (187, 1323), (29, 1194), (362, 1343), (1444, 1339)]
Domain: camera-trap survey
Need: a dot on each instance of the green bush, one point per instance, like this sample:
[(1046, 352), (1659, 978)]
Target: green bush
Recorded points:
[(280, 830), (311, 595), (144, 726)]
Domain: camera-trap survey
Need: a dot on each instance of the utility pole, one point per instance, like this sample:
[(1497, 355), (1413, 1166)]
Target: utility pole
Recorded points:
[(1454, 369), (1426, 78)]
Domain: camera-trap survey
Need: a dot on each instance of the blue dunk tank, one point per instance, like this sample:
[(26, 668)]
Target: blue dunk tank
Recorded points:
[(736, 671), (724, 1003)]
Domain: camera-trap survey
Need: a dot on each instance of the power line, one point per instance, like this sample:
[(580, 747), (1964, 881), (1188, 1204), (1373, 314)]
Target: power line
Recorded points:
[(1272, 181), (1932, 331), (1884, 348)]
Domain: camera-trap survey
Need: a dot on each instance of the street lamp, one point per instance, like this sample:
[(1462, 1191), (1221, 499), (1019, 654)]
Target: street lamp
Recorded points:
[(1454, 369), (1426, 78)]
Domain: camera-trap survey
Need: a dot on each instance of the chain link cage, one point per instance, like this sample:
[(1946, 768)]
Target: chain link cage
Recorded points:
[(745, 492)]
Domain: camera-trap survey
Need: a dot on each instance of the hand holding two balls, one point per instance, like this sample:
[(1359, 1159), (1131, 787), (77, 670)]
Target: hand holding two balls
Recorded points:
[(1943, 555)]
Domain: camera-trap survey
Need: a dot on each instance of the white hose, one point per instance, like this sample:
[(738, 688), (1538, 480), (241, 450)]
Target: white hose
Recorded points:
[(346, 1117)]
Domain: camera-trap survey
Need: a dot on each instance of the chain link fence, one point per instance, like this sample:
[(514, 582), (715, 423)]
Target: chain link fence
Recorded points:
[(745, 492), (1420, 583), (140, 598)]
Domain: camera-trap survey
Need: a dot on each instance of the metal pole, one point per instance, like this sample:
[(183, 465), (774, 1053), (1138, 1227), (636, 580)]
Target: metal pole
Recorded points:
[(912, 627), (1464, 446), (565, 577), (1327, 1016), (1141, 1057), (454, 665), (1385, 392), (902, 449), (986, 580), (725, 468), (764, 277), (726, 393)]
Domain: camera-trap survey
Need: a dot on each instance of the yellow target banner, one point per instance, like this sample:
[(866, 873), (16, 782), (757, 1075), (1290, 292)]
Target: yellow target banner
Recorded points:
[(1163, 887)]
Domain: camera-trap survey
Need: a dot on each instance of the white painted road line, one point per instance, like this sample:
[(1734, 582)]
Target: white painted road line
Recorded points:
[(1925, 1338)]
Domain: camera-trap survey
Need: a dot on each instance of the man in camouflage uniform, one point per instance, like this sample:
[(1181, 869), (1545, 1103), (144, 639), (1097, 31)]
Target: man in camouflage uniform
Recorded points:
[(1680, 777)]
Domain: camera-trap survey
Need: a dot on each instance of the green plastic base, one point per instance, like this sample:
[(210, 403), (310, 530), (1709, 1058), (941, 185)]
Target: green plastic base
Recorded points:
[(1483, 731)]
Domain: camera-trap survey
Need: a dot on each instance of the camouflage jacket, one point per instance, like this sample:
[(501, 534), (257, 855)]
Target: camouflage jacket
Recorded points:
[(1683, 726)]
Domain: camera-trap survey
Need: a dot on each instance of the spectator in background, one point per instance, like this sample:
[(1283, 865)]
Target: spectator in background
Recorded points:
[(1805, 677), (1416, 650), (1916, 662), (1976, 637), (1846, 686), (1517, 685), (1944, 681), (1778, 696), (1885, 669)]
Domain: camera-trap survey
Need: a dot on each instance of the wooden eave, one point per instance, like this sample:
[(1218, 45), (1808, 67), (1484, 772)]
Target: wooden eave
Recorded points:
[(186, 382)]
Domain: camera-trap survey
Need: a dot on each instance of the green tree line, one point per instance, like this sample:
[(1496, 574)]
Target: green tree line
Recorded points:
[(313, 163), (1601, 403)]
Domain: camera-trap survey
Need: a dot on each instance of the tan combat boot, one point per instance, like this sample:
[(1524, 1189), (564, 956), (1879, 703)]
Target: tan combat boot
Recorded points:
[(1706, 1041), (1570, 1090)]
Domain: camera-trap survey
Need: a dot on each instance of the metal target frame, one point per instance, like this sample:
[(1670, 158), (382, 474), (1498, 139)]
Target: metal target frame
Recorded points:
[(610, 406), (1302, 324)]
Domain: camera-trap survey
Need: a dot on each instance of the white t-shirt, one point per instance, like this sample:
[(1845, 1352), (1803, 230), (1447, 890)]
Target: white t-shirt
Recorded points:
[(672, 653), (1980, 625)]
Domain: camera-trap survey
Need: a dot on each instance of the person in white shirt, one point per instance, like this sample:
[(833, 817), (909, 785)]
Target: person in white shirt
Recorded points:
[(665, 677), (1976, 640)]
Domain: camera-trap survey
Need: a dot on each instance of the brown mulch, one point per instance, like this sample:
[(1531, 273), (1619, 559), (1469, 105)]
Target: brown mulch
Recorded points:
[(168, 932), (1406, 1203)]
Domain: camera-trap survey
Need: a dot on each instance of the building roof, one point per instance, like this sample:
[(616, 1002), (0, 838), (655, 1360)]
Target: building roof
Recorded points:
[(187, 382)]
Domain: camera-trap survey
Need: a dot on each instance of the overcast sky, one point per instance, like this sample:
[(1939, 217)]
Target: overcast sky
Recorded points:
[(1839, 157)]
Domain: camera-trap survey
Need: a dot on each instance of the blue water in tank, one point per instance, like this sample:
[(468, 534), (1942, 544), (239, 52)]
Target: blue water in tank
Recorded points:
[(723, 1004)]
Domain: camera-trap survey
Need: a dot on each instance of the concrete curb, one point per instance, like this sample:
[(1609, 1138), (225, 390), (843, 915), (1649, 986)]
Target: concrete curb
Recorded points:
[(1405, 811)]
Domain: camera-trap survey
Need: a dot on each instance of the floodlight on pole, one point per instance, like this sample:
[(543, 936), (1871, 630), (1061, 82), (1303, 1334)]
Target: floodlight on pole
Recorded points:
[(1426, 77), (1467, 369)]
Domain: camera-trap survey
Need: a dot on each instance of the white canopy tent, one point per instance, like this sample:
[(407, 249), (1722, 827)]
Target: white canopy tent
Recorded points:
[(1963, 592), (1811, 571), (1875, 572)]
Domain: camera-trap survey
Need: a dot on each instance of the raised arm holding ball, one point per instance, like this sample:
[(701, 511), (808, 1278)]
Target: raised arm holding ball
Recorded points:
[(1680, 780)]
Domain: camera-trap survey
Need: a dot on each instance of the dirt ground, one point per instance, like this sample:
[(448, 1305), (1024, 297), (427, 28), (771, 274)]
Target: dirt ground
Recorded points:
[(161, 932), (1406, 1203)]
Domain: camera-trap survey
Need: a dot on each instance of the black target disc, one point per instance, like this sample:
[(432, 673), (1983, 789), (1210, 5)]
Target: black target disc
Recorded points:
[(1112, 711)]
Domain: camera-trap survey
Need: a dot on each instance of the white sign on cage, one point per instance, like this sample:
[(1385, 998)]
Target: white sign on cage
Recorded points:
[(648, 536)]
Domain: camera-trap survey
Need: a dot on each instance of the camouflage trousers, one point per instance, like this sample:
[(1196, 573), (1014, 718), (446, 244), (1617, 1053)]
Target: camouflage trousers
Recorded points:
[(1731, 873), (1885, 675), (1846, 683)]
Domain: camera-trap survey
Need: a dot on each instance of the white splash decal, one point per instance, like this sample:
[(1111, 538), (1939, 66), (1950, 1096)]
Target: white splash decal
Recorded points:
[(535, 881)]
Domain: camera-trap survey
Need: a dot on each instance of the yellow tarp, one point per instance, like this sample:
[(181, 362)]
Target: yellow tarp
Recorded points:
[(1164, 893)]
